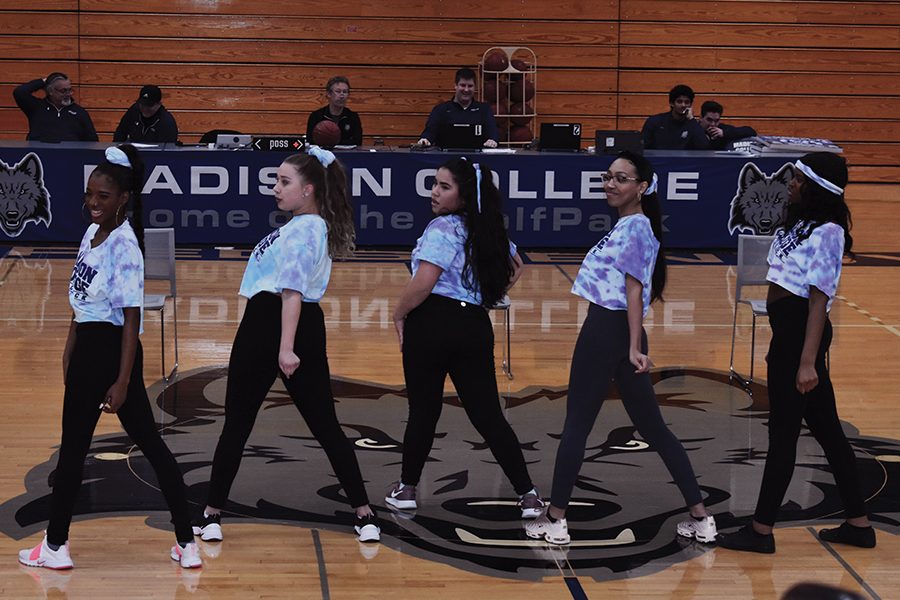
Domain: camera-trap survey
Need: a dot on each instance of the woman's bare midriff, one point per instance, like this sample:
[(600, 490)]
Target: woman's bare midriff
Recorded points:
[(776, 292)]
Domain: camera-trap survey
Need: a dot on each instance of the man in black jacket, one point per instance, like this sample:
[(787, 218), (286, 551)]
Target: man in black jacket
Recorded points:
[(720, 135), (147, 121), (676, 129), (337, 90), (56, 117)]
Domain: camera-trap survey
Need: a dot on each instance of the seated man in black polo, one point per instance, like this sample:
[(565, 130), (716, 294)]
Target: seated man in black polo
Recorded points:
[(337, 91), (720, 135), (147, 121), (463, 108), (676, 129), (56, 117)]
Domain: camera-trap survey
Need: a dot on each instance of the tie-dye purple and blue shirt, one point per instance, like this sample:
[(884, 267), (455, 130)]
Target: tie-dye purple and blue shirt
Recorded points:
[(796, 264), (294, 256), (443, 245), (630, 248), (108, 278)]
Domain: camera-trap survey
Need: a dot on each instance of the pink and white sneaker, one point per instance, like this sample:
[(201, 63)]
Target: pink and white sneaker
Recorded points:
[(42, 556), (188, 557)]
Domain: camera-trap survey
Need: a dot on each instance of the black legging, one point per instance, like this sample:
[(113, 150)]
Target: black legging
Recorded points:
[(601, 354), (93, 368), (252, 370), (788, 408), (444, 336)]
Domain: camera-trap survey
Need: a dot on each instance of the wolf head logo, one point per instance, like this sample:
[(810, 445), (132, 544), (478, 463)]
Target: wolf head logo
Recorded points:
[(759, 205), (23, 197), (467, 515)]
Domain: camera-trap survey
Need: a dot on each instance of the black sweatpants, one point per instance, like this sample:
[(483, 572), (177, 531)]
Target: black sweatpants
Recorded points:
[(788, 408), (442, 336), (601, 354), (252, 370), (93, 368)]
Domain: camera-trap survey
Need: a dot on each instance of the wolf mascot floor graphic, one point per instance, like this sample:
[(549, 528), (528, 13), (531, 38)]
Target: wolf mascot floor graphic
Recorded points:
[(624, 508)]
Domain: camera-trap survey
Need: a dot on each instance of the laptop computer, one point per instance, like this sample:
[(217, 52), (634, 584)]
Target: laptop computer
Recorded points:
[(233, 140), (616, 140), (565, 137), (462, 136)]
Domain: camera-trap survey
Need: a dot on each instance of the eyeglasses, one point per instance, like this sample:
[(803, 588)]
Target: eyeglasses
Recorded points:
[(620, 178)]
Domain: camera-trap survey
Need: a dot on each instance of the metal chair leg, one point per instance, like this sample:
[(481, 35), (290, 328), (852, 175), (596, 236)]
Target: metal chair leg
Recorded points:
[(162, 340), (752, 347), (506, 363)]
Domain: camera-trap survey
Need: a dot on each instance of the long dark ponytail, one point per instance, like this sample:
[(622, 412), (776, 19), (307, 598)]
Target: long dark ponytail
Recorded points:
[(652, 210), (132, 181), (487, 243)]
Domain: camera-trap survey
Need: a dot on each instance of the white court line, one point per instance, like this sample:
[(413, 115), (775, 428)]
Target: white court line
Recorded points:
[(879, 323)]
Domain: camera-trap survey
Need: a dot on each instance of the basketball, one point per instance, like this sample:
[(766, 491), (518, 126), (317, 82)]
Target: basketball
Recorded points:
[(496, 60), (521, 113), (491, 91), (520, 65), (503, 128), (520, 133), (521, 91), (326, 133)]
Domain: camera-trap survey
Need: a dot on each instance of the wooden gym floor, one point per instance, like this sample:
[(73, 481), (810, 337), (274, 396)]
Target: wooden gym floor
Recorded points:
[(124, 554)]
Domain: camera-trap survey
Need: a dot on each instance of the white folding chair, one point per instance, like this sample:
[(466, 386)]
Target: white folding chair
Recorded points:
[(159, 264), (752, 267), (506, 363)]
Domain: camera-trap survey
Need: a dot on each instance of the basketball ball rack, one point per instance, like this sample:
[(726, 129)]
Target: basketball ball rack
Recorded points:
[(511, 91)]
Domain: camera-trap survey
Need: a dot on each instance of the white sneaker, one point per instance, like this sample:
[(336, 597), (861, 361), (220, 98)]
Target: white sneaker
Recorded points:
[(42, 556), (367, 528), (209, 528), (554, 532), (188, 557), (703, 530)]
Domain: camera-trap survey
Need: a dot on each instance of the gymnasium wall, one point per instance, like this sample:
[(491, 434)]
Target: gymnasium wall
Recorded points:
[(818, 69)]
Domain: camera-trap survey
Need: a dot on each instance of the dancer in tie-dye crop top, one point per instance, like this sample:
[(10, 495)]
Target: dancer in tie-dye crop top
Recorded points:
[(804, 270), (620, 277)]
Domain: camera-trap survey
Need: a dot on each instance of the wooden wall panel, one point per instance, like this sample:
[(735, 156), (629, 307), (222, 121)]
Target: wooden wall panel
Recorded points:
[(867, 12), (763, 35), (785, 60), (47, 5), (466, 9), (816, 68), (799, 107), (45, 46), (313, 77), (768, 84), (506, 33), (330, 53), (36, 23)]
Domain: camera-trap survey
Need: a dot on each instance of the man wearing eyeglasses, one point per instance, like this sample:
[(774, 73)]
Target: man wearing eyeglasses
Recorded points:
[(338, 91), (56, 117)]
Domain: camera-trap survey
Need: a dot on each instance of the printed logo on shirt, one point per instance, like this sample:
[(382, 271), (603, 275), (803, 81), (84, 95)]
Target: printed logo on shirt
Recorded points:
[(23, 197), (82, 276), (598, 247), (265, 244), (787, 242)]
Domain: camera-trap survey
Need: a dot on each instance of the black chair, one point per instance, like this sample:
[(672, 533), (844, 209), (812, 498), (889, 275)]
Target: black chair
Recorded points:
[(212, 135)]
